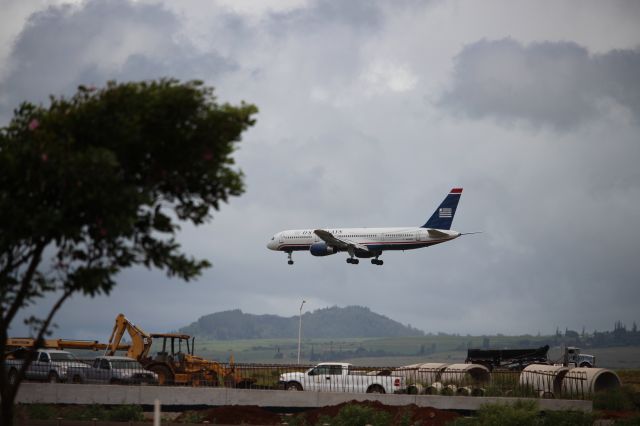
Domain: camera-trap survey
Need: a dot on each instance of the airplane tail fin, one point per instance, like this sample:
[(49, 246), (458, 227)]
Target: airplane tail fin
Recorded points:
[(443, 216)]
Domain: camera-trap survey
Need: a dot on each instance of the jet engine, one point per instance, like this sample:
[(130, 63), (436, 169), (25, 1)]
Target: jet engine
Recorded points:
[(322, 249)]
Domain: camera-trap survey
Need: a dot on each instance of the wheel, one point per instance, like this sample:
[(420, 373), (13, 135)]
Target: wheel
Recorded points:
[(349, 260), (293, 386), (375, 389), (76, 379), (165, 375), (356, 261), (53, 377), (290, 262), (13, 377)]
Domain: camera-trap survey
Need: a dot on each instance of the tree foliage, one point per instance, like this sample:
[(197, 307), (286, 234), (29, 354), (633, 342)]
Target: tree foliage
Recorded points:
[(99, 182)]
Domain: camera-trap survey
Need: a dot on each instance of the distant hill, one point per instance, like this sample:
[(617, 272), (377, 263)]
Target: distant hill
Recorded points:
[(334, 322)]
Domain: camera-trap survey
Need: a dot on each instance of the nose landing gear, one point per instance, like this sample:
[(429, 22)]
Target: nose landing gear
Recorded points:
[(290, 262)]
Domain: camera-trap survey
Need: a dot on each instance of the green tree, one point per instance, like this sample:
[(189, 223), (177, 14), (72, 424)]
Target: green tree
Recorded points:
[(99, 182)]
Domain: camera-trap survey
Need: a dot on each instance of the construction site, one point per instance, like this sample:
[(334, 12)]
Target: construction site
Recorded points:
[(164, 369)]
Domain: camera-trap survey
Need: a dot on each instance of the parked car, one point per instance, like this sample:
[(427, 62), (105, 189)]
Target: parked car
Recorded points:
[(50, 365), (114, 370), (342, 377)]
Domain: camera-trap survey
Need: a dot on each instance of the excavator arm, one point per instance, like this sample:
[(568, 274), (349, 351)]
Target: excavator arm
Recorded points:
[(140, 339), (28, 342)]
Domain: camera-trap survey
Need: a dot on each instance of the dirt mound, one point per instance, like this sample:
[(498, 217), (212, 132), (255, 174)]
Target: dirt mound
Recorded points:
[(427, 416), (233, 415)]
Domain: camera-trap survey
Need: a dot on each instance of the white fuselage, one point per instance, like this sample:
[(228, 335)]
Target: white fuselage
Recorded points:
[(376, 239)]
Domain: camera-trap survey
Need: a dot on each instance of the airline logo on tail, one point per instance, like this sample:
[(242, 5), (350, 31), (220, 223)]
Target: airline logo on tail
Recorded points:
[(445, 212)]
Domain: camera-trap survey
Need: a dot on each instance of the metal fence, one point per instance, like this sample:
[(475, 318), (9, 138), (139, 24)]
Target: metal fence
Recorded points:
[(458, 379)]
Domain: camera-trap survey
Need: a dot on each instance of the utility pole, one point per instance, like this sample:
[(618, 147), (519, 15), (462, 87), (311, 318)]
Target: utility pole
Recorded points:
[(300, 330)]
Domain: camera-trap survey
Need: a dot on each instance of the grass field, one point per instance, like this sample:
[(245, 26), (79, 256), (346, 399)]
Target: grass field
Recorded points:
[(394, 351)]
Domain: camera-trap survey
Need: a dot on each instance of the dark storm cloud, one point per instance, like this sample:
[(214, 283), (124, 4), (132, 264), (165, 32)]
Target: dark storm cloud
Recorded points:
[(63, 47), (552, 83)]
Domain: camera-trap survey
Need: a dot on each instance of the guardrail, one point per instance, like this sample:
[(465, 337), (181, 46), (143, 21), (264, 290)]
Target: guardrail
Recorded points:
[(456, 379)]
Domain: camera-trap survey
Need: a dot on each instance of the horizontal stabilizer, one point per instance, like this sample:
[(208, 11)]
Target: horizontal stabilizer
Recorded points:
[(437, 234)]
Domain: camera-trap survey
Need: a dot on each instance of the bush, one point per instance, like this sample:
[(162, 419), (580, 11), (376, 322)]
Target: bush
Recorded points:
[(568, 418), (40, 411), (357, 415), (125, 413), (620, 399), (524, 413), (521, 413)]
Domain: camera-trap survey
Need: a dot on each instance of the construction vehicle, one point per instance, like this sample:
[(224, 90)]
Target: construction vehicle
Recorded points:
[(518, 359), (509, 359), (15, 343), (574, 358), (176, 362)]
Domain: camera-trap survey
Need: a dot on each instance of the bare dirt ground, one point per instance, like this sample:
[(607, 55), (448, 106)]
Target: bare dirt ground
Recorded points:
[(253, 415)]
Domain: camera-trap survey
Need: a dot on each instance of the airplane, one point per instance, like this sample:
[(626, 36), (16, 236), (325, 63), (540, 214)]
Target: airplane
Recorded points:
[(371, 242)]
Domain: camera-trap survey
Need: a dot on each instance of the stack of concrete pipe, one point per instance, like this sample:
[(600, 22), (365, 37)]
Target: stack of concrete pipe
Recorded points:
[(546, 381), (439, 378), (551, 380)]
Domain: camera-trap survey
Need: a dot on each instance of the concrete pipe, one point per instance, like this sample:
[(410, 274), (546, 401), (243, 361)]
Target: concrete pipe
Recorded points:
[(464, 374), (449, 390), (543, 379), (478, 392), (415, 389), (434, 389), (424, 374), (464, 391), (584, 381)]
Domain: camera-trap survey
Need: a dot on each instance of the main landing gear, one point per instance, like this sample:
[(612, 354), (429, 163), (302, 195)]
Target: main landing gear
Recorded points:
[(290, 262), (376, 261), (353, 261)]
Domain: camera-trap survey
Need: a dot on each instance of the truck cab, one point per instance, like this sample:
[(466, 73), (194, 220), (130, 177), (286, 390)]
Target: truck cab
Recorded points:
[(573, 358)]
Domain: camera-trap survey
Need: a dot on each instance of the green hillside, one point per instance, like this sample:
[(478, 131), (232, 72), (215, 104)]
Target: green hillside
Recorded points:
[(327, 323)]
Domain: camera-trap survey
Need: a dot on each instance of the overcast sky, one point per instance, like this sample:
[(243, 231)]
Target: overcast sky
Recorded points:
[(370, 111)]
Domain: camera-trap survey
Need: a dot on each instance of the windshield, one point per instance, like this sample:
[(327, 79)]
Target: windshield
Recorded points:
[(126, 364), (61, 356)]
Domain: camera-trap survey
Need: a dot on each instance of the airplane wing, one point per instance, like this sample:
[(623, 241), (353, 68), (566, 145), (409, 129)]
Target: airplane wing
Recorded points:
[(341, 243)]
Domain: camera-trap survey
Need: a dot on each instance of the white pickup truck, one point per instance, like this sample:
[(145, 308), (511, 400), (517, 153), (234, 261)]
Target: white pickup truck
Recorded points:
[(341, 377)]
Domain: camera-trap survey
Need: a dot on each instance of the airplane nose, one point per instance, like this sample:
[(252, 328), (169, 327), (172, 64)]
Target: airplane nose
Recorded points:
[(271, 245)]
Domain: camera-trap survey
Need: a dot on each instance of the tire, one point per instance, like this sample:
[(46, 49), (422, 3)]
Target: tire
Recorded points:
[(77, 379), (165, 375), (53, 377), (13, 377), (293, 386), (375, 389)]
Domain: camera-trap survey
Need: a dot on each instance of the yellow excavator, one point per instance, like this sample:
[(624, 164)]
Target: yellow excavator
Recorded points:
[(176, 362)]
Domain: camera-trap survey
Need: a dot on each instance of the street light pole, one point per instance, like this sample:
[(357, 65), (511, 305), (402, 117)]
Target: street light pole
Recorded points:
[(300, 330)]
